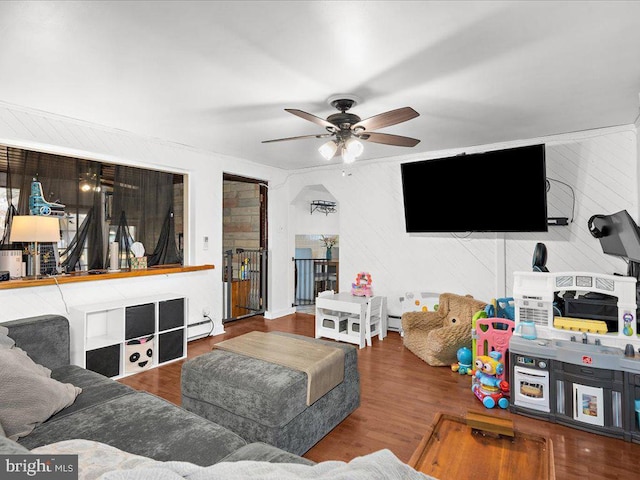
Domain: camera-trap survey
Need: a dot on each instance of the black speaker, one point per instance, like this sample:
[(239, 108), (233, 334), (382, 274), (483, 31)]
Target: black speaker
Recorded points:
[(539, 260), (593, 228)]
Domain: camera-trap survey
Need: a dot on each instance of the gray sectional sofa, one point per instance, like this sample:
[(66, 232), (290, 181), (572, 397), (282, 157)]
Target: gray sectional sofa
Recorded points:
[(112, 413)]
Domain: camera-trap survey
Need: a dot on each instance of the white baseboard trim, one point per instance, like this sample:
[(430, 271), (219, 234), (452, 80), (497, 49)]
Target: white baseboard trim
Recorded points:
[(270, 315)]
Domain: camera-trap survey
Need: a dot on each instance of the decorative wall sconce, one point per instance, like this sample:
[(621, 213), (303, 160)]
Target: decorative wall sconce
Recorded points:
[(323, 206)]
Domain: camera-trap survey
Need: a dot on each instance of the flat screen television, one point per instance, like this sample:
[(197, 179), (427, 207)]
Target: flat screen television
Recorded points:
[(498, 191)]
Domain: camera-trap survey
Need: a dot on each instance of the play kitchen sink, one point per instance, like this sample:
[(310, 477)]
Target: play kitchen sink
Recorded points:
[(593, 354), (588, 353)]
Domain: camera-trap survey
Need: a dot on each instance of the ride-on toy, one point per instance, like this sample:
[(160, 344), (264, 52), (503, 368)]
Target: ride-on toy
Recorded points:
[(489, 389)]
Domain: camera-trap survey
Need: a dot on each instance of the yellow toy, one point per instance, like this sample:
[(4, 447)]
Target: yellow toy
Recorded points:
[(580, 324)]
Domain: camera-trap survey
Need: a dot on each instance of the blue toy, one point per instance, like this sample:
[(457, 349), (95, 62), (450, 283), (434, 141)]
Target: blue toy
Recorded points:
[(39, 206), (489, 389), (463, 367), (501, 308)]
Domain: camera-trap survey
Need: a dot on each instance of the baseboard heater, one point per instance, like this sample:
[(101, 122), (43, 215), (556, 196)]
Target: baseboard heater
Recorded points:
[(394, 323), (197, 324)]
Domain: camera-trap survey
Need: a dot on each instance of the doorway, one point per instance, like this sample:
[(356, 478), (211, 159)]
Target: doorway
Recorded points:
[(316, 268), (244, 244)]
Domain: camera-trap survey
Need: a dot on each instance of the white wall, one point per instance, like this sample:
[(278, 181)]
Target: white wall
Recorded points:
[(317, 223), (40, 131), (600, 166)]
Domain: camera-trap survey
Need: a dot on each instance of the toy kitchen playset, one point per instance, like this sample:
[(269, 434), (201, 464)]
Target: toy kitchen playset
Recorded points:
[(575, 359)]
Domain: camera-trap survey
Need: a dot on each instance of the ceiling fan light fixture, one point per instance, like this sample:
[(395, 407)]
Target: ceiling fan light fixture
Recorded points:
[(347, 157), (354, 147), (348, 129), (328, 150)]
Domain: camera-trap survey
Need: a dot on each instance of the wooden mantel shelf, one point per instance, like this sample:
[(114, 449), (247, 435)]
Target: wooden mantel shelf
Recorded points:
[(88, 277)]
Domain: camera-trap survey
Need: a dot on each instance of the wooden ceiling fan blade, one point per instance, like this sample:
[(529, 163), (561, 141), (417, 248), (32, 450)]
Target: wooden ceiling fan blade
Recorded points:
[(389, 139), (312, 118), (320, 135), (387, 119)]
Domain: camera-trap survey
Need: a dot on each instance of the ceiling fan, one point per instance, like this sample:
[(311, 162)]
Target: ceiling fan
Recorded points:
[(347, 128)]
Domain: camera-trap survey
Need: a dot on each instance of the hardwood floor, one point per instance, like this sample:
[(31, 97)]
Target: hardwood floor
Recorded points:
[(400, 395)]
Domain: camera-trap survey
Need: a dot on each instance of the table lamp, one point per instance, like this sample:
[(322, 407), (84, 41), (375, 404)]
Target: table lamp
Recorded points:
[(35, 228)]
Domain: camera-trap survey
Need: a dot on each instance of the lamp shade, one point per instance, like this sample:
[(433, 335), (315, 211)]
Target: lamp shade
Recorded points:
[(328, 150), (35, 228), (347, 156), (354, 147)]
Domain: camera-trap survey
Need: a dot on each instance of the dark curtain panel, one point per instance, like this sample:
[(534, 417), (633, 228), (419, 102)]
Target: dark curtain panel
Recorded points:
[(60, 178), (96, 235), (73, 252), (12, 209), (166, 251), (125, 240), (11, 212), (146, 199)]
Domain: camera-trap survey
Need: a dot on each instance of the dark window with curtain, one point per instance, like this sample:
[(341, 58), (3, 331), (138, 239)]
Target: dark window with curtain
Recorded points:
[(103, 203), (143, 201)]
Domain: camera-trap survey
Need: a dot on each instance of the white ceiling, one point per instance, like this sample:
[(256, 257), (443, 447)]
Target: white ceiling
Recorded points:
[(217, 75)]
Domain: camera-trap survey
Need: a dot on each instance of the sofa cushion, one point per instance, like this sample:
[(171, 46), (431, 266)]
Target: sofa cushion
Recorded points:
[(28, 395), (142, 424), (96, 388)]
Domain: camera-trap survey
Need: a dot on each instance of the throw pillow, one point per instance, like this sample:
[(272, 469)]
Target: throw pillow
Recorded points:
[(29, 396), (5, 340)]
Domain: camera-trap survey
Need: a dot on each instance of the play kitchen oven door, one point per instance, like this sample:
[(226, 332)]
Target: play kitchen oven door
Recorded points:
[(530, 383)]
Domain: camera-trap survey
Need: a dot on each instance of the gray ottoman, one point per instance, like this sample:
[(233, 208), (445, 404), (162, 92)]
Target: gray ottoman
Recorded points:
[(266, 402)]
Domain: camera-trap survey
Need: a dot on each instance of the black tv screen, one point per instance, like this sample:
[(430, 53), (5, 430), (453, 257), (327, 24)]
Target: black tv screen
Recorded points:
[(498, 191)]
